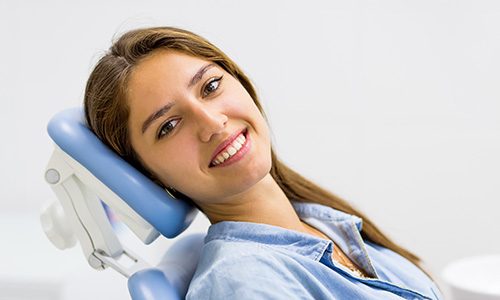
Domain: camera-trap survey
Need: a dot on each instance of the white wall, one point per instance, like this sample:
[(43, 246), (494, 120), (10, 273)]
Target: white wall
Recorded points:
[(393, 105)]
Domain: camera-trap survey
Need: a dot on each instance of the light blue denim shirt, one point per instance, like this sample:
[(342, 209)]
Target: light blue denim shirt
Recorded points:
[(243, 260)]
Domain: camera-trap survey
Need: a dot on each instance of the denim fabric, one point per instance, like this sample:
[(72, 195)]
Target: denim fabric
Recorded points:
[(243, 260)]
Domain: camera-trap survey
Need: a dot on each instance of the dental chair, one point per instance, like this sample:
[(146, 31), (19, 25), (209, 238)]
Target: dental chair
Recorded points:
[(84, 174)]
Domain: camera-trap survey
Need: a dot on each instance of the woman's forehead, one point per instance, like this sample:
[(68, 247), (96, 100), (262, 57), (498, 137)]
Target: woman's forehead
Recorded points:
[(163, 71), (172, 61)]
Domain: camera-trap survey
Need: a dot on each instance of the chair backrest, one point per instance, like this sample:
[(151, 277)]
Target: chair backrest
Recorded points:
[(169, 216)]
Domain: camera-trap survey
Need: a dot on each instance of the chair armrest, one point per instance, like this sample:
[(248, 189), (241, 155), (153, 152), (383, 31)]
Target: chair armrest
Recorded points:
[(151, 284), (171, 278), (180, 261)]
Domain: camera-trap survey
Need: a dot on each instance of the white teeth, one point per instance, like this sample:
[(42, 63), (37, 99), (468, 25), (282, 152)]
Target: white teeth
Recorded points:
[(230, 150)]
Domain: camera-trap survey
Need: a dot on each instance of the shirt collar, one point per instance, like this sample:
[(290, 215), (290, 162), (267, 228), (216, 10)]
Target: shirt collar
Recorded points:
[(282, 238), (325, 213)]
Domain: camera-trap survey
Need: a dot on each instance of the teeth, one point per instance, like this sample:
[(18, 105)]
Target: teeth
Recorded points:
[(230, 150)]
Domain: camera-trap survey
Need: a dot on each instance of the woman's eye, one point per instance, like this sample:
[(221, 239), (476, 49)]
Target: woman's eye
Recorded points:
[(166, 128), (211, 86)]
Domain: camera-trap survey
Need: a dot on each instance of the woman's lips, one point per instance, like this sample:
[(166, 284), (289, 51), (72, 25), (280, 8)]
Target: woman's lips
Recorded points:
[(238, 155), (226, 143)]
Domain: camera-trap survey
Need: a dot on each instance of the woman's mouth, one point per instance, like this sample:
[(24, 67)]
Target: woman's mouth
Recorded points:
[(233, 152)]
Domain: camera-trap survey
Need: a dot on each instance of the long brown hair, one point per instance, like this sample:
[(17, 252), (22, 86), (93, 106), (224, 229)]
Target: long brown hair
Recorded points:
[(107, 114)]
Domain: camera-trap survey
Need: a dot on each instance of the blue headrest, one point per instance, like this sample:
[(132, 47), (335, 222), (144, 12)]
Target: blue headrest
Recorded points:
[(169, 216)]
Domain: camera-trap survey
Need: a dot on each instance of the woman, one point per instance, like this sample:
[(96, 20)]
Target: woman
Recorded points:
[(182, 112)]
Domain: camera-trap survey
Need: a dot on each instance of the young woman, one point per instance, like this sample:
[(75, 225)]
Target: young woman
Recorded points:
[(181, 111)]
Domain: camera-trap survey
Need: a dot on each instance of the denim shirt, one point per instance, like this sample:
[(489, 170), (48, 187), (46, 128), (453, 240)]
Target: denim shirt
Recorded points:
[(244, 260)]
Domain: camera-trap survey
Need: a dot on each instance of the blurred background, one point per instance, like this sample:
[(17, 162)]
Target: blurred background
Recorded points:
[(393, 105)]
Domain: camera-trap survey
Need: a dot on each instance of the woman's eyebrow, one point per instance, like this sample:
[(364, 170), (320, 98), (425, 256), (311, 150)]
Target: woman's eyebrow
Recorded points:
[(199, 74), (158, 114), (164, 109)]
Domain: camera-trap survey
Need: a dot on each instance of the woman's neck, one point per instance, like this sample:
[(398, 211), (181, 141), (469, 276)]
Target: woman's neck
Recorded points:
[(265, 203)]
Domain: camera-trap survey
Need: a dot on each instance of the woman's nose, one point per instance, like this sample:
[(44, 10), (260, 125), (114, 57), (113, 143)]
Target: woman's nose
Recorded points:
[(211, 121)]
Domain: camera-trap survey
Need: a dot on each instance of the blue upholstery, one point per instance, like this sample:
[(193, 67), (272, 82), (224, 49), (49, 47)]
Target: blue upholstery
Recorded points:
[(169, 216), (180, 261), (170, 279), (151, 284)]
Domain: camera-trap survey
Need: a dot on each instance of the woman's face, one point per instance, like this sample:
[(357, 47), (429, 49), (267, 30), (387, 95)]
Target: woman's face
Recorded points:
[(207, 106)]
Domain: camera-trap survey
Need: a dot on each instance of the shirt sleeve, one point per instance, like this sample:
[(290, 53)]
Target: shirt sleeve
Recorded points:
[(247, 278)]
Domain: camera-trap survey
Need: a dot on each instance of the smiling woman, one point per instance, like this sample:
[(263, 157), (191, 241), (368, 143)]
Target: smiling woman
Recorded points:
[(190, 120), (181, 111)]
